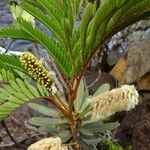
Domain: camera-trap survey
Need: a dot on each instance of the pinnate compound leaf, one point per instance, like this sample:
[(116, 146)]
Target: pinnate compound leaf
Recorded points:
[(50, 23), (120, 3), (24, 89), (9, 62), (15, 33), (54, 49), (15, 94), (44, 110), (33, 90)]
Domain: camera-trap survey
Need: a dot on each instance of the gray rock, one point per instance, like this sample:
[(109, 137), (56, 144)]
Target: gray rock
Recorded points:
[(138, 61), (146, 35)]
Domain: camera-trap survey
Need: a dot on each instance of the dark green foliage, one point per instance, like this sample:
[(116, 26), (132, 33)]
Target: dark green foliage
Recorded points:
[(96, 27)]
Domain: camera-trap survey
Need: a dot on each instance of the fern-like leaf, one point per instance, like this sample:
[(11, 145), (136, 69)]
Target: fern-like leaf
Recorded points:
[(50, 23), (90, 10), (15, 33), (54, 49), (6, 75), (15, 94), (11, 62), (52, 8), (112, 17)]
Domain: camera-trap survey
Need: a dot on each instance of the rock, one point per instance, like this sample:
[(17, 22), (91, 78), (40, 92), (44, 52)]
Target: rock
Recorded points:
[(113, 57), (135, 68), (141, 135), (118, 71), (126, 130), (144, 83), (138, 61), (135, 36), (146, 35), (94, 80)]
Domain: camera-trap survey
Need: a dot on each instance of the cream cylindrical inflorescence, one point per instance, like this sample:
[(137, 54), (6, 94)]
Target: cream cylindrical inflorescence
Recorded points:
[(116, 100), (48, 144), (36, 69)]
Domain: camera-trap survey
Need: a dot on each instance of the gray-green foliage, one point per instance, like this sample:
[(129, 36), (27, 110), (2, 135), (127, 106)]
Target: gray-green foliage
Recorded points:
[(90, 130)]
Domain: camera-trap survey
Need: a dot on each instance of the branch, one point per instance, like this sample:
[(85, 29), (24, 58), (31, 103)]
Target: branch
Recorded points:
[(57, 105)]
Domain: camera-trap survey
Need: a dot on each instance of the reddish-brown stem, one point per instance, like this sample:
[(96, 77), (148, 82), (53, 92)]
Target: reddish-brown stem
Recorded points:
[(67, 114), (57, 105)]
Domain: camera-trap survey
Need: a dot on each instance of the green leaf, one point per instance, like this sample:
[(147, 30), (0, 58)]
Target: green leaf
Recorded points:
[(105, 11), (41, 121), (15, 99), (44, 110), (41, 90), (64, 135), (24, 89), (108, 126), (33, 90), (93, 140), (45, 90), (50, 8), (60, 55), (15, 94), (99, 126), (4, 74), (15, 86), (85, 145), (120, 3), (15, 33), (89, 12), (11, 62), (52, 130), (90, 124), (50, 23), (86, 132), (79, 98), (102, 89)]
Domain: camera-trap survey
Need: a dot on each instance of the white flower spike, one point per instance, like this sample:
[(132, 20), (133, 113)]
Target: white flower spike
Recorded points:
[(116, 100), (48, 144)]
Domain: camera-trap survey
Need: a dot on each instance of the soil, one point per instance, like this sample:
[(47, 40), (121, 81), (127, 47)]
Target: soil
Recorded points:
[(134, 128)]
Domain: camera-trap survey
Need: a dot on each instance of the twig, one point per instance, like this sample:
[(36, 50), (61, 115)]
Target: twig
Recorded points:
[(57, 104)]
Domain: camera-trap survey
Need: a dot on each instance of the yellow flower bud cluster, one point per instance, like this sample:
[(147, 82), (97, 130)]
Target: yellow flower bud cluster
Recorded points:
[(48, 144), (116, 100), (36, 69)]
